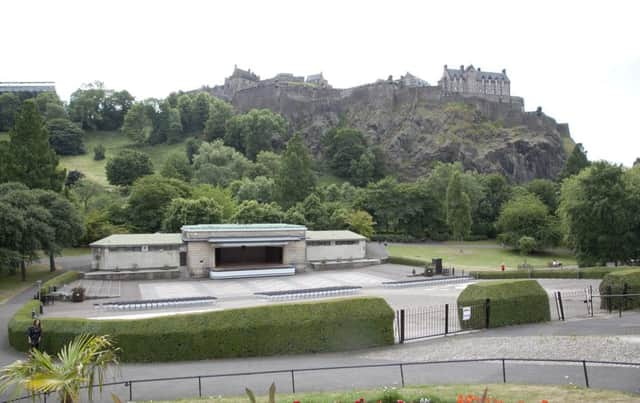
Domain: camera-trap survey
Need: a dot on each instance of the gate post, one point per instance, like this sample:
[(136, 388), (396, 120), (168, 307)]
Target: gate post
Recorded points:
[(402, 323), (446, 319), (487, 311), (561, 306)]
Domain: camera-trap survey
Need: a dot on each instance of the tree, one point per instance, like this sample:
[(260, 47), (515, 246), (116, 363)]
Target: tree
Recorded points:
[(260, 189), (636, 162), (127, 166), (250, 212), (496, 192), (361, 222), (66, 223), (191, 148), (82, 362), (65, 137), (267, 164), (219, 113), (527, 216), (114, 108), (458, 208), (26, 224), (599, 213), (189, 212), (254, 131), (295, 179), (343, 146), (526, 245), (217, 164), (138, 126), (86, 105), (30, 159), (222, 197), (9, 105), (177, 166), (576, 162), (546, 190), (200, 111), (150, 197)]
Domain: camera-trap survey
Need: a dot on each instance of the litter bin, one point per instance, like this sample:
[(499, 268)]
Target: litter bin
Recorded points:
[(428, 272), (437, 263)]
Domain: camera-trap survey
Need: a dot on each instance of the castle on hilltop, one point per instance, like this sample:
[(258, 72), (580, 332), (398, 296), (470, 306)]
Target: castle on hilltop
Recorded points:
[(243, 79), (469, 82), (473, 81)]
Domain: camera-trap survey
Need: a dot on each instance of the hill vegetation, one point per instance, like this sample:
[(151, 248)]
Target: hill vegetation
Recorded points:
[(156, 164)]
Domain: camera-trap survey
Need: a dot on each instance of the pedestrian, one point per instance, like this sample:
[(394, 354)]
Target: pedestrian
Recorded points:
[(34, 335)]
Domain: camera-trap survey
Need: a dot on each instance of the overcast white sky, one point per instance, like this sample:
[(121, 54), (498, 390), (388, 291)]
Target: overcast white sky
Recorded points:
[(579, 60)]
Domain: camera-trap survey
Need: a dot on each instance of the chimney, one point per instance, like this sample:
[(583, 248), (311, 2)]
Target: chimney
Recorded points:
[(504, 71), (478, 68), (445, 66), (462, 67)]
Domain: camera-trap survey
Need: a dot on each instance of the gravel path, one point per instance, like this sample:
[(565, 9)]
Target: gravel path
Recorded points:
[(595, 348)]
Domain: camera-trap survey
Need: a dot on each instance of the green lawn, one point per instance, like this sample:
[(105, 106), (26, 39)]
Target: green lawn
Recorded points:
[(113, 142), (76, 251), (448, 393), (11, 285), (482, 255)]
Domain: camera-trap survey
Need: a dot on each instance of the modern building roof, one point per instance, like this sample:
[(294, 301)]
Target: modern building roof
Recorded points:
[(241, 227), (334, 236), (139, 239)]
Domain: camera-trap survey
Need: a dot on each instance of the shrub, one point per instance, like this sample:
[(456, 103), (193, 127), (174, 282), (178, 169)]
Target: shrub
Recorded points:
[(512, 302), (337, 325), (614, 283), (588, 273), (65, 137), (99, 152), (408, 261)]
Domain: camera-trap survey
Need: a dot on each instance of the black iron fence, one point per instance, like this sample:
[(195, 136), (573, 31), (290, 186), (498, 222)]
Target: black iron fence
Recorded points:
[(600, 374)]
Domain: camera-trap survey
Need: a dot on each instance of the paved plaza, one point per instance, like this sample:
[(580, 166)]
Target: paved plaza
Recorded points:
[(238, 293)]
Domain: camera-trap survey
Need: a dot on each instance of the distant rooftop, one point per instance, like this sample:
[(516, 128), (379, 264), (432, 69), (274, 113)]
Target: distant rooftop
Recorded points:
[(27, 86), (333, 236), (241, 227), (139, 239)]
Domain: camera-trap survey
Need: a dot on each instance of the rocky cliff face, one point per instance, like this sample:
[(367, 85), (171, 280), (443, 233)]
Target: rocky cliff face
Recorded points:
[(418, 126)]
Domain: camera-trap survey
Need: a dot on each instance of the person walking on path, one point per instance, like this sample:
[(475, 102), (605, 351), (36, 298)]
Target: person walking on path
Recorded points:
[(34, 335)]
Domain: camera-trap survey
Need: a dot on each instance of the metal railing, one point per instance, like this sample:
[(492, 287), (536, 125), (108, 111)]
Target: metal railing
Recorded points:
[(400, 376)]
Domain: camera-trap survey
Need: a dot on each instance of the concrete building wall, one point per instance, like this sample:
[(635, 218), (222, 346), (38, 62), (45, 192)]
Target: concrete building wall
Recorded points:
[(294, 254), (125, 260), (336, 250), (200, 257)]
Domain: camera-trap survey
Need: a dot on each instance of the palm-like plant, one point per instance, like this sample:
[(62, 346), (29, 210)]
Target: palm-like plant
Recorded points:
[(82, 362)]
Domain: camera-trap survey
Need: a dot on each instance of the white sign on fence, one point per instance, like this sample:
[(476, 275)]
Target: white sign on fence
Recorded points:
[(466, 313)]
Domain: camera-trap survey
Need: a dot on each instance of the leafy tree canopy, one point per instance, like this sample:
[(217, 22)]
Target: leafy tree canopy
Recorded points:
[(127, 166), (149, 200)]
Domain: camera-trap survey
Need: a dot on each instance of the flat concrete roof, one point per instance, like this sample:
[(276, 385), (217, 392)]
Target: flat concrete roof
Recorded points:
[(139, 239), (334, 236), (241, 227)]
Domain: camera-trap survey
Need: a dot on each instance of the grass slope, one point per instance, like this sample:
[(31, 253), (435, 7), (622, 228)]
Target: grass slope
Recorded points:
[(447, 393), (11, 285), (113, 142), (482, 255)]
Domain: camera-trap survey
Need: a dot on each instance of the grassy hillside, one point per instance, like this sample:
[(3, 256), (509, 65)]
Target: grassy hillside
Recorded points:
[(483, 255), (113, 142)]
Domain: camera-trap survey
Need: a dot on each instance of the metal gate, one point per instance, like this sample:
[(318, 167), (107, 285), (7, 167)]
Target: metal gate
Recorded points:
[(583, 303), (439, 320)]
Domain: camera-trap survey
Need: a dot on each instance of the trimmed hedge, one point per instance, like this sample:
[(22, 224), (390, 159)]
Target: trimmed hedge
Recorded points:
[(408, 261), (338, 325), (587, 273), (512, 302), (615, 282)]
